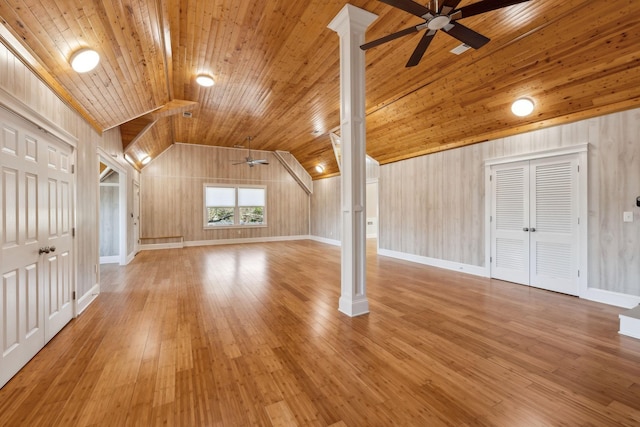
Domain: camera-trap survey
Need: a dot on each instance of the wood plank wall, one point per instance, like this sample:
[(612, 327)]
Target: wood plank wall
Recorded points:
[(326, 221), (433, 206), (325, 204), (172, 194)]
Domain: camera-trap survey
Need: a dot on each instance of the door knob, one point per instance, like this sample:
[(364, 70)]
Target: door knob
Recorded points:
[(44, 250), (52, 248), (525, 229), (533, 230)]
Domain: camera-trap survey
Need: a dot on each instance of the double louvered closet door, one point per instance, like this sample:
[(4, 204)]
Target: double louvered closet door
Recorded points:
[(534, 223)]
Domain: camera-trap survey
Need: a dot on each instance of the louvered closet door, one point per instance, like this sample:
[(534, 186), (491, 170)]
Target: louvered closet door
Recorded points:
[(534, 223), (554, 249), (509, 218)]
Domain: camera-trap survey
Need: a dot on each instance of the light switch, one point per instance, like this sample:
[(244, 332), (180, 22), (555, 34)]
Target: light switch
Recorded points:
[(627, 216)]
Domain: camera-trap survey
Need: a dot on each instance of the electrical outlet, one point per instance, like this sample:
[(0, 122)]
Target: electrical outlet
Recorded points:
[(627, 216)]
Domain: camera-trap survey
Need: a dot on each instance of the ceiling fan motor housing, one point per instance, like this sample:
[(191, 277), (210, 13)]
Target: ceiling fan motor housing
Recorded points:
[(438, 22)]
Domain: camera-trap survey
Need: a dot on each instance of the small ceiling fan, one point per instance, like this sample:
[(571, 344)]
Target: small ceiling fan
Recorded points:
[(250, 160), (441, 15)]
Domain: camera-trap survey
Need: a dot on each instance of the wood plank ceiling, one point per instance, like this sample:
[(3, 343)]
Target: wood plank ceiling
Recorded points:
[(276, 66)]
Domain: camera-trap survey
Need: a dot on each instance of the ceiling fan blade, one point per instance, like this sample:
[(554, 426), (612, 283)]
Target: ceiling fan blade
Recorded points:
[(260, 162), (238, 163), (484, 6), (420, 49), (388, 38), (466, 35), (408, 6), (447, 6)]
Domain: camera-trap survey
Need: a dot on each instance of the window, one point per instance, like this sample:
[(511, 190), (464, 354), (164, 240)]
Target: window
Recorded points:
[(234, 206)]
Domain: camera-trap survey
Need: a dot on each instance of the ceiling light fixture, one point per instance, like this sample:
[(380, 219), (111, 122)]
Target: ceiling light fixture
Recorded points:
[(145, 160), (522, 107), (84, 60), (129, 159), (319, 168), (204, 80)]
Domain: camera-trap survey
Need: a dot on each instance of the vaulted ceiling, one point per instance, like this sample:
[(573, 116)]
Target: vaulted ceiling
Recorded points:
[(276, 67)]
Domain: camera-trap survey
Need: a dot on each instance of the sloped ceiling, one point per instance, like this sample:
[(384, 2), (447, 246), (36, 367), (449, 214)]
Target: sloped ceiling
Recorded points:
[(276, 66)]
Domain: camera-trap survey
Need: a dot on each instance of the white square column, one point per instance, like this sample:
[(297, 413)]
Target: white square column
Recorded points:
[(351, 24)]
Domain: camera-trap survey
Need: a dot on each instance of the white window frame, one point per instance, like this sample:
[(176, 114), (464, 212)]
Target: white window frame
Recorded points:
[(236, 208)]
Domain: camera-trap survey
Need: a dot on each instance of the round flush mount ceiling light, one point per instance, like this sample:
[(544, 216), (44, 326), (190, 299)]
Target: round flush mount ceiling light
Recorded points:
[(145, 160), (84, 60), (522, 107), (204, 80), (319, 168)]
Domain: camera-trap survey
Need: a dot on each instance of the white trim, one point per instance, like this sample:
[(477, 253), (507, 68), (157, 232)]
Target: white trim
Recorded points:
[(247, 240), (353, 308), (236, 208), (325, 240), (114, 259), (630, 323), (136, 236), (195, 243), (157, 246), (554, 152), (434, 262), (580, 151), (84, 301), (106, 158), (14, 105), (612, 298)]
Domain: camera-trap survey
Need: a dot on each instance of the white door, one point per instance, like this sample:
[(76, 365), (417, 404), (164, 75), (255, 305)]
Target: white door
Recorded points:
[(57, 223), (510, 222), (534, 223), (36, 200), (553, 224)]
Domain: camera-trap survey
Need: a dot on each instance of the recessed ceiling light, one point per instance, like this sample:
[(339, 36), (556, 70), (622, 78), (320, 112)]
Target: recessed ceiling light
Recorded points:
[(522, 107), (319, 168), (204, 80), (145, 160), (84, 60)]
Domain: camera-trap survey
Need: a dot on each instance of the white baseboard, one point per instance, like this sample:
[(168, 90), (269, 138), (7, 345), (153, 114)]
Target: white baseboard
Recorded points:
[(194, 243), (630, 322), (240, 241), (157, 246), (115, 259), (325, 240), (130, 257), (612, 298), (85, 300), (434, 262)]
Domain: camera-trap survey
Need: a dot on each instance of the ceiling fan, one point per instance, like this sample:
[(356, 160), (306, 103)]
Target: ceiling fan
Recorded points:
[(250, 160), (441, 15)]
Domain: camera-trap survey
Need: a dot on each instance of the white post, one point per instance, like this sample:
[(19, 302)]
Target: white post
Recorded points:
[(351, 24)]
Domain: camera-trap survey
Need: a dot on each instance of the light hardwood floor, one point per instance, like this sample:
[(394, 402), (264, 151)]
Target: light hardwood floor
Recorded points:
[(246, 335)]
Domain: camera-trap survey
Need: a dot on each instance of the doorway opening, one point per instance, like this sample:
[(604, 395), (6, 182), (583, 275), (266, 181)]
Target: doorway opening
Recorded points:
[(112, 212)]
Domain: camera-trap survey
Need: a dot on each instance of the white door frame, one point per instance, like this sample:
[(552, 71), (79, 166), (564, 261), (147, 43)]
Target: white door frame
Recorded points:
[(105, 158), (581, 150)]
